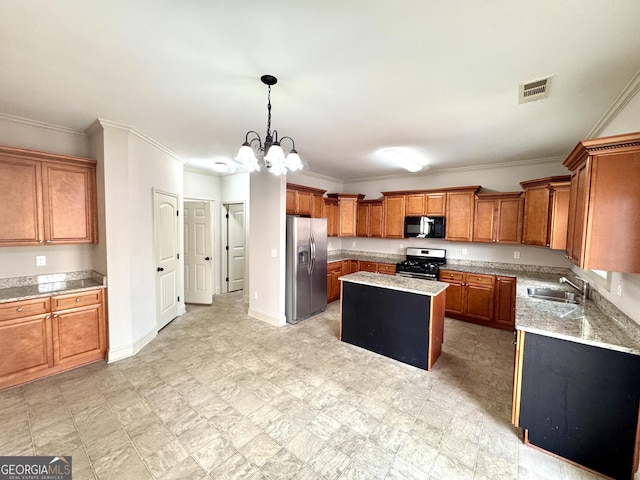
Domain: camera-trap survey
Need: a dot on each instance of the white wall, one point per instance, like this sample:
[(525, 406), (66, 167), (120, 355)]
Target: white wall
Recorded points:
[(267, 207), (131, 166), (627, 121), (33, 135)]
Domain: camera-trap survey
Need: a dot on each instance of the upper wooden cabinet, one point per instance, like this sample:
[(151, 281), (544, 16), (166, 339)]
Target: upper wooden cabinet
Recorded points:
[(305, 201), (498, 217), (460, 213), (604, 207), (347, 212), (544, 209), (331, 213), (369, 218), (46, 198), (393, 212), (425, 204)]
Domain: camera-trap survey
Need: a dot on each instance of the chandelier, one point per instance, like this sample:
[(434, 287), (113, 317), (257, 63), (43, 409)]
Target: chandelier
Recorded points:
[(272, 153)]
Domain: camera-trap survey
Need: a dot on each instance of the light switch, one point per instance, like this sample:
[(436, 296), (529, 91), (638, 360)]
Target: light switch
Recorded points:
[(41, 260), (274, 252)]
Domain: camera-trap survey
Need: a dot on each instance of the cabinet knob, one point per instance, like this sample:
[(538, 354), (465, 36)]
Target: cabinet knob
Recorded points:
[(55, 315), (48, 241), (19, 309), (77, 299), (41, 241)]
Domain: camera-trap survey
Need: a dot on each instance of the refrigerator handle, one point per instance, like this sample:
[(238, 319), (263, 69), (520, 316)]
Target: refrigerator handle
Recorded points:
[(312, 263)]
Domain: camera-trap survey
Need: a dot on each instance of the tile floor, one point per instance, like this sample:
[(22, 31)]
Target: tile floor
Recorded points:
[(220, 395)]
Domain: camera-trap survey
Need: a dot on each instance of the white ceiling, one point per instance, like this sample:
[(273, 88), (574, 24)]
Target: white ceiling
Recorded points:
[(354, 76)]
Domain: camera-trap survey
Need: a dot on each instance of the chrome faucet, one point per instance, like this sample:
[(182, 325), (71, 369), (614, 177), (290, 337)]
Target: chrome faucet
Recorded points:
[(585, 285)]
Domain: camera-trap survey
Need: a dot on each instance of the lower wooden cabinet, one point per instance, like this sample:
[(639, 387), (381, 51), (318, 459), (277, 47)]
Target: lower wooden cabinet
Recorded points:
[(336, 269), (480, 298), (47, 335)]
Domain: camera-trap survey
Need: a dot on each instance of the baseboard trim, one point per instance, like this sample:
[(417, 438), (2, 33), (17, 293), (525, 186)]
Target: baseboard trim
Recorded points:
[(271, 320), (126, 351)]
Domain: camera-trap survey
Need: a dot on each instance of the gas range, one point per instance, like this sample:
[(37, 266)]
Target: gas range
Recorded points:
[(422, 263)]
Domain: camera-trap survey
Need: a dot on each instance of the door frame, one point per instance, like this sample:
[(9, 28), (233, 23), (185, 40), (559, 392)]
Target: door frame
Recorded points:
[(224, 258)]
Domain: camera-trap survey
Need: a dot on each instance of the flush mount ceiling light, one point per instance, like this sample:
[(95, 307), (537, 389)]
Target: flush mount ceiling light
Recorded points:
[(401, 159), (271, 152)]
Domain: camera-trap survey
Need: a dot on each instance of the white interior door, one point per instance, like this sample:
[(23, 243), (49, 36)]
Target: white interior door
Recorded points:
[(235, 247), (165, 226), (198, 257)]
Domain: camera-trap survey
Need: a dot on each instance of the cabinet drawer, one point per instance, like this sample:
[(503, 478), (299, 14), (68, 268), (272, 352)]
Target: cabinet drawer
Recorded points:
[(388, 268), (73, 300), (446, 275), (24, 308), (480, 279), (368, 266)]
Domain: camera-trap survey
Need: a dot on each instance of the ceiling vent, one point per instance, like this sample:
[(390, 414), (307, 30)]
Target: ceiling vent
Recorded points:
[(535, 90)]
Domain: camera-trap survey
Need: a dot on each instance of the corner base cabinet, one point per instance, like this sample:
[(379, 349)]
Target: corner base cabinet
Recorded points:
[(43, 336), (579, 402)]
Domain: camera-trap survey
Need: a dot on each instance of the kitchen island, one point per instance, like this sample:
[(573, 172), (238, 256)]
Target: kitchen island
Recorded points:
[(398, 317), (576, 390)]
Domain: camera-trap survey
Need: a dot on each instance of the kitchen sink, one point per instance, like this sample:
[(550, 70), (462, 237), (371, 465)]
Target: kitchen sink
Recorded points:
[(552, 294)]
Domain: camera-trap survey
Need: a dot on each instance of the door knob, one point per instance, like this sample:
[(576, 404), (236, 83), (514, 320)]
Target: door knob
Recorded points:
[(207, 258), (160, 269)]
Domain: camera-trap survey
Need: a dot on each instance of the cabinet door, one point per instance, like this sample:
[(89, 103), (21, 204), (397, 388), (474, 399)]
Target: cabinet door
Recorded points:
[(20, 202), (304, 203), (331, 212), (509, 224), (375, 220), (362, 221), (394, 217), (480, 300), (355, 266), (483, 224), (69, 203), (536, 216), (435, 204), (348, 207), (559, 218), (316, 210), (79, 335), (578, 212), (414, 205), (26, 348), (455, 298), (460, 213), (505, 303), (291, 202)]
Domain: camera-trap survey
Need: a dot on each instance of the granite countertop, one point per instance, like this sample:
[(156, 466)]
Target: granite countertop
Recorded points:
[(365, 256), (394, 282), (25, 288), (583, 323)]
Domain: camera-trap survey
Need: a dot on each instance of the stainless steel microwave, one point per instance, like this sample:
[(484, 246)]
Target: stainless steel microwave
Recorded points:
[(424, 227)]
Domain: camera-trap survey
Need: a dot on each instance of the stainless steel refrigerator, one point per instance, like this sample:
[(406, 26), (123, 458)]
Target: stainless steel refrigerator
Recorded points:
[(306, 278)]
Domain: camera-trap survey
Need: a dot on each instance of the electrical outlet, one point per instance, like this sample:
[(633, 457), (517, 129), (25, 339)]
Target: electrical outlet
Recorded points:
[(619, 290), (401, 246), (516, 254), (464, 251), (353, 244), (41, 261), (255, 295), (274, 252)]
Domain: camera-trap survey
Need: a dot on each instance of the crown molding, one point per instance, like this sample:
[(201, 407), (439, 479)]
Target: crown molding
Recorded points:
[(43, 125), (632, 88), (101, 122), (532, 161)]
